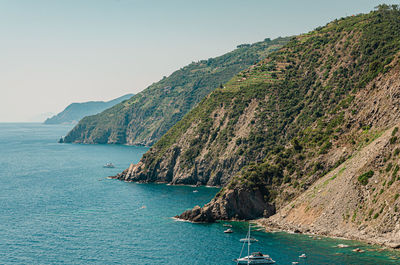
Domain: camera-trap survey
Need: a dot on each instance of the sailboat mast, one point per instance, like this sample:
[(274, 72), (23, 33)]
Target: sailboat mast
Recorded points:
[(248, 246)]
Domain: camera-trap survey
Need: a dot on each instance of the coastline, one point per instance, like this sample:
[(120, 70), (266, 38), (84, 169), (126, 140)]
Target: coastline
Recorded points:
[(271, 226)]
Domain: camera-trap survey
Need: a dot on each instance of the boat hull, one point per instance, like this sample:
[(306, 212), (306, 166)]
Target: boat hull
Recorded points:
[(253, 260), (245, 261)]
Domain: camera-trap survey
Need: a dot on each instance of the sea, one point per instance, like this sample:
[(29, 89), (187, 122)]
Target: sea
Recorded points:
[(57, 206)]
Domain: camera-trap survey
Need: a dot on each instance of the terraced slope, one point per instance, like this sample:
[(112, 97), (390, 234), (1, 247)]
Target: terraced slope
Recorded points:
[(144, 118)]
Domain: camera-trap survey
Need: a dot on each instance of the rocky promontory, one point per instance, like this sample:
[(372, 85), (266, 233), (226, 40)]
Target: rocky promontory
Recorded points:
[(307, 138)]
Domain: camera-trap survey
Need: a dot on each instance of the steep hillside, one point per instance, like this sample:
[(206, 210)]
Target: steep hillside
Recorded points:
[(148, 115), (286, 122), (76, 111), (358, 200)]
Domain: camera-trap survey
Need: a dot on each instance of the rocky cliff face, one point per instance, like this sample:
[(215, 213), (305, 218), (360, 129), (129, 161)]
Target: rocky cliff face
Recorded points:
[(297, 135), (234, 204), (210, 164), (357, 200), (144, 118)]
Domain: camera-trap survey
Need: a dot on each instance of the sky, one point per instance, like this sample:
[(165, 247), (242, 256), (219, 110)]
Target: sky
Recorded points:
[(53, 53)]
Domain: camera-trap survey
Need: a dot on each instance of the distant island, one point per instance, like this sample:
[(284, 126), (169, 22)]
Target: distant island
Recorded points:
[(74, 112)]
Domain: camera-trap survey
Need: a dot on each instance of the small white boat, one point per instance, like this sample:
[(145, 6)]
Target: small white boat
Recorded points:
[(251, 239), (295, 262), (195, 191), (109, 165), (228, 231), (255, 257), (303, 256), (227, 225), (343, 246)]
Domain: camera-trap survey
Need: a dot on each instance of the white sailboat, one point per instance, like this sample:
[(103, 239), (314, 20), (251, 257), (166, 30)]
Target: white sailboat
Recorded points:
[(252, 239), (255, 257)]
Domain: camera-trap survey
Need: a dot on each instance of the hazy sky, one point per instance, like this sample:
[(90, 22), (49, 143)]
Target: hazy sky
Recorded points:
[(53, 52)]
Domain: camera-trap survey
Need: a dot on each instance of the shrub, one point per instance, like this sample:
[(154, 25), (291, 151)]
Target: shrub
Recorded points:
[(296, 145), (371, 212), (389, 167), (286, 179), (363, 179), (395, 130), (396, 151), (396, 169), (325, 147)]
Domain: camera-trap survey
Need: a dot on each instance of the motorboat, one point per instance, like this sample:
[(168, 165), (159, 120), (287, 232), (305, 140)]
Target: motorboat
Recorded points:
[(303, 256), (109, 165), (255, 257), (228, 231), (227, 225)]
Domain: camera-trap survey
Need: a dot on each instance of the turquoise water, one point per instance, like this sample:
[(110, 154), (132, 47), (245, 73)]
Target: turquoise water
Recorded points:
[(56, 207)]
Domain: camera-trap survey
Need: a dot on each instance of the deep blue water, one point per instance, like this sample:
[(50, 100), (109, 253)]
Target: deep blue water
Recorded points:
[(56, 207)]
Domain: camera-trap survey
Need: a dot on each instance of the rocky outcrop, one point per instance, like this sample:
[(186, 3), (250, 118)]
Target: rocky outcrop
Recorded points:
[(235, 204)]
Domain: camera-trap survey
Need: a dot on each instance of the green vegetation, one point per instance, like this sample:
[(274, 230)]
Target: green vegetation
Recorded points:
[(370, 212), (278, 126), (148, 115), (389, 167), (353, 218), (395, 130), (396, 152), (396, 169), (363, 179)]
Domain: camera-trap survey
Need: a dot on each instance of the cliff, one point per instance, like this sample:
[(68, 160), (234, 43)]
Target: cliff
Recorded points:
[(144, 118), (357, 200), (307, 135)]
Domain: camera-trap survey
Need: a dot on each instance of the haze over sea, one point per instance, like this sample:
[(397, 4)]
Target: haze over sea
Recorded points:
[(57, 207)]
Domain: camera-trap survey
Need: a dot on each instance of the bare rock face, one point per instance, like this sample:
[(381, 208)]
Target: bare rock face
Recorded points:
[(233, 204), (340, 204)]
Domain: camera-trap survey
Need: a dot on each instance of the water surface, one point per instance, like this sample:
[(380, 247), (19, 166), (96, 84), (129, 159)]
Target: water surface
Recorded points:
[(57, 207)]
